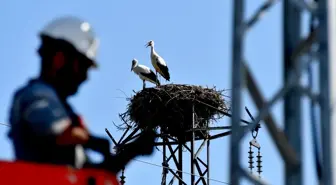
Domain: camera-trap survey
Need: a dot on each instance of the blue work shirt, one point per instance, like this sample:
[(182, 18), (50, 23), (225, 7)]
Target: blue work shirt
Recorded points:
[(37, 116)]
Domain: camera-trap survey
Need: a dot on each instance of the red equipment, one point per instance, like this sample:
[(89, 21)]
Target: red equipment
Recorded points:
[(26, 173)]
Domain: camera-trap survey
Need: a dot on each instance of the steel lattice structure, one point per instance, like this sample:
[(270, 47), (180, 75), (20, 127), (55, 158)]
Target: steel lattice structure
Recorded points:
[(315, 48), (173, 154)]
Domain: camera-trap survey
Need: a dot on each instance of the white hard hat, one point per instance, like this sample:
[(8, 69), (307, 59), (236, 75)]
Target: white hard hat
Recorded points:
[(77, 32)]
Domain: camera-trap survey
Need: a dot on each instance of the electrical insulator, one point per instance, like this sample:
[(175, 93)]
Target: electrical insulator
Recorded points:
[(254, 143), (259, 162), (251, 159), (122, 177)]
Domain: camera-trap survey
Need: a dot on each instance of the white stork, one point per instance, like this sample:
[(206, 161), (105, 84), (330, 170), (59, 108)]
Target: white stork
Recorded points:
[(158, 63), (145, 73)]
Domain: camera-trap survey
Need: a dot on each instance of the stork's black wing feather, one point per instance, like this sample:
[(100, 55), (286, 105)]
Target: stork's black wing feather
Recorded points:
[(164, 70), (151, 76)]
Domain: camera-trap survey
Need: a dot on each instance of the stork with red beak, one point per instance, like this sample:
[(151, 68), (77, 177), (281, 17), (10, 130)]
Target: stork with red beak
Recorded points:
[(145, 73), (158, 62)]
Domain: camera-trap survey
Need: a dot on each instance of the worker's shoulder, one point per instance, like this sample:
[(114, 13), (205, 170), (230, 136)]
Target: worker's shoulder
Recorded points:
[(34, 89)]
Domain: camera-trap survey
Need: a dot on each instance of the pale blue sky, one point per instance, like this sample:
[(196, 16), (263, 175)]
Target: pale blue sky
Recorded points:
[(194, 37)]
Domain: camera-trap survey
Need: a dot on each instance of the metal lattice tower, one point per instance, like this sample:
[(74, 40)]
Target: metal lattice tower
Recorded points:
[(298, 54), (174, 152)]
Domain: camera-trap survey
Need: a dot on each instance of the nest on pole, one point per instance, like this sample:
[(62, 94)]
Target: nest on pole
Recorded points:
[(170, 107)]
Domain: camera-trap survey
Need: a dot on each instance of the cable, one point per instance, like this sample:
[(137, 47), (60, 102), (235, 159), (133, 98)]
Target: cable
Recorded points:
[(157, 165), (5, 124)]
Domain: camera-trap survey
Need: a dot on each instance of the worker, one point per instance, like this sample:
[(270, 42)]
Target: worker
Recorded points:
[(44, 127)]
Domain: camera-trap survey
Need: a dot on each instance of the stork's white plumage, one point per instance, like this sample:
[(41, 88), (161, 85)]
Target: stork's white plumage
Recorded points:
[(158, 62), (144, 72)]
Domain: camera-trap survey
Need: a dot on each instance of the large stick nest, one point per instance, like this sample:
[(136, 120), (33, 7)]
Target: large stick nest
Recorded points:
[(170, 107)]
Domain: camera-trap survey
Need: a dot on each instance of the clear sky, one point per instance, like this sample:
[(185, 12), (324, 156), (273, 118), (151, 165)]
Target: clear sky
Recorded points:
[(193, 36)]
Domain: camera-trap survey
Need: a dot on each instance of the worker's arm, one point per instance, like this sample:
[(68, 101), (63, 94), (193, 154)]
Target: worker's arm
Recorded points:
[(143, 145), (72, 135), (46, 116), (98, 144)]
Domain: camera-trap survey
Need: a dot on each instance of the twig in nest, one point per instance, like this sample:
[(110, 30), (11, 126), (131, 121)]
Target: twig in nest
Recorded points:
[(119, 127), (124, 93)]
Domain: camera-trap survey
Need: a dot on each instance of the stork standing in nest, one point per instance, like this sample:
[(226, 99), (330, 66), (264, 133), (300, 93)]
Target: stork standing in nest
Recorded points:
[(158, 62), (145, 73)]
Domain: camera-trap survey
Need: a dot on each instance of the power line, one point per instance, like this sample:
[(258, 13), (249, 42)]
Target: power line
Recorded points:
[(5, 124), (157, 165)]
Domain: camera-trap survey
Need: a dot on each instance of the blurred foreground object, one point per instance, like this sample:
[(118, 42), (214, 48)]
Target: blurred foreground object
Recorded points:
[(75, 31), (45, 128), (40, 174)]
